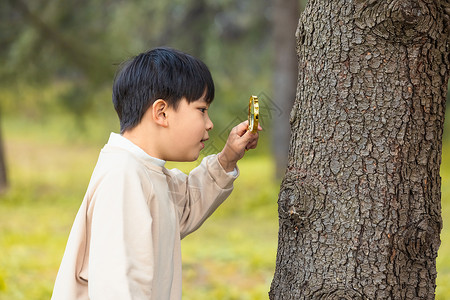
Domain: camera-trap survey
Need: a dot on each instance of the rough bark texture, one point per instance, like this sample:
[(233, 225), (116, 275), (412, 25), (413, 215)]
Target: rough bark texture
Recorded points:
[(285, 20), (359, 206)]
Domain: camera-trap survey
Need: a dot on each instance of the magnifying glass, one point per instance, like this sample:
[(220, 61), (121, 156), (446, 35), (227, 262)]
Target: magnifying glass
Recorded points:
[(253, 114)]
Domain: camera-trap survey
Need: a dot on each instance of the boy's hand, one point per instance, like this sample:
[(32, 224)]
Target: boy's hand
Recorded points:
[(239, 140)]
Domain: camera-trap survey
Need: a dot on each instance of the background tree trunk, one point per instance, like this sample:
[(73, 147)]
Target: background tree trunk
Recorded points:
[(285, 19), (3, 177), (359, 206)]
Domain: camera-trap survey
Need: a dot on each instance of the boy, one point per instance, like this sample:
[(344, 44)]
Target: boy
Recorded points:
[(125, 240)]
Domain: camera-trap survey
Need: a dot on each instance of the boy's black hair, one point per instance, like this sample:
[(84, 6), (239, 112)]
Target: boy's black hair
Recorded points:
[(160, 73)]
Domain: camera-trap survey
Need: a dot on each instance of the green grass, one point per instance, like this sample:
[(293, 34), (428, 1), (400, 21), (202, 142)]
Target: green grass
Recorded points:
[(47, 181), (231, 257)]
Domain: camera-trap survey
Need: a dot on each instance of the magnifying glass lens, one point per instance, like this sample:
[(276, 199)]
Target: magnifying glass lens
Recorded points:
[(253, 114)]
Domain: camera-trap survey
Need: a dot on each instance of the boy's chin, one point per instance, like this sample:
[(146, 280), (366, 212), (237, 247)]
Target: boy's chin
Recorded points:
[(195, 157), (189, 158)]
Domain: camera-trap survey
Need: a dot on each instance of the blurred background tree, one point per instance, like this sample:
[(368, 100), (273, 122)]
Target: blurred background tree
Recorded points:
[(285, 19), (3, 178)]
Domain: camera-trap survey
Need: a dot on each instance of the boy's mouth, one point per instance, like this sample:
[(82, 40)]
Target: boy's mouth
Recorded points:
[(202, 142)]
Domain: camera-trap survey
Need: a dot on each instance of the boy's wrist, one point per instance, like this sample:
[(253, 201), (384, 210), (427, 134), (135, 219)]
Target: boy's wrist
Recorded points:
[(227, 165)]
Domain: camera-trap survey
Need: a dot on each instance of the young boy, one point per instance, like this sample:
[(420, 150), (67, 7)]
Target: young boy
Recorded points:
[(125, 240)]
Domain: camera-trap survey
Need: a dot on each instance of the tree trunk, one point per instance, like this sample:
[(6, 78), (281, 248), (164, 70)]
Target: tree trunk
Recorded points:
[(3, 177), (359, 206), (285, 19)]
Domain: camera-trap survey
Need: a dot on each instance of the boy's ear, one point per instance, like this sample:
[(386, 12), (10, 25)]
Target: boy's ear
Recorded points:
[(159, 110)]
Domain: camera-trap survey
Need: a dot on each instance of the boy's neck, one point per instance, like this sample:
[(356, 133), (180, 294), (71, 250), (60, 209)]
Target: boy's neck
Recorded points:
[(141, 140)]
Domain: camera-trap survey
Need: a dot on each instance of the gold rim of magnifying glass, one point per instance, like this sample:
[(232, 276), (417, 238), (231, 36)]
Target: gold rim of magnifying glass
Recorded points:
[(253, 114)]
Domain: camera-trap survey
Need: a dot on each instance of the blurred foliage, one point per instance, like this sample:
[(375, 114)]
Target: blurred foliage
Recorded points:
[(47, 42)]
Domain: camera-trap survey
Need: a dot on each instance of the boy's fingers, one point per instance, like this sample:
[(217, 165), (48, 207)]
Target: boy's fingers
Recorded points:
[(250, 140), (248, 136), (242, 128), (252, 144)]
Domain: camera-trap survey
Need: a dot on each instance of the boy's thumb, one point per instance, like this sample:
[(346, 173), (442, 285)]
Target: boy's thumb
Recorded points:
[(241, 129)]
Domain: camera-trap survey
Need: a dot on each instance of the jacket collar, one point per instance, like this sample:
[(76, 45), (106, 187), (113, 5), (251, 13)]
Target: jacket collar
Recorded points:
[(117, 140)]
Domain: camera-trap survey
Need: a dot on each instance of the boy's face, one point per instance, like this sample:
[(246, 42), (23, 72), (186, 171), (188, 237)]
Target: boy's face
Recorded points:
[(188, 129)]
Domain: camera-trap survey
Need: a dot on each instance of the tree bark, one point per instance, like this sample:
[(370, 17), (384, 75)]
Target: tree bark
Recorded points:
[(285, 19), (359, 206)]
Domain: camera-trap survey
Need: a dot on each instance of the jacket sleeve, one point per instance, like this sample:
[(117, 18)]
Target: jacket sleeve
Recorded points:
[(121, 255), (197, 195)]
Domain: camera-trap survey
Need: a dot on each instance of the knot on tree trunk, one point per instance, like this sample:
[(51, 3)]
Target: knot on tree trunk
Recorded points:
[(403, 21), (300, 200), (418, 241), (338, 294)]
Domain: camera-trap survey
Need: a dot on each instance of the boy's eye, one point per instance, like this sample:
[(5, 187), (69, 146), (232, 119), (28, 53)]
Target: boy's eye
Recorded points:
[(202, 109)]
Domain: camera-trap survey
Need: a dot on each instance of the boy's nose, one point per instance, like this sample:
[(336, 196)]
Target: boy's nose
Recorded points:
[(209, 124)]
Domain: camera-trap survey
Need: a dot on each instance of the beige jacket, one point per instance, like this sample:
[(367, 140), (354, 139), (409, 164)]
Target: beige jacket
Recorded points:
[(125, 240)]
